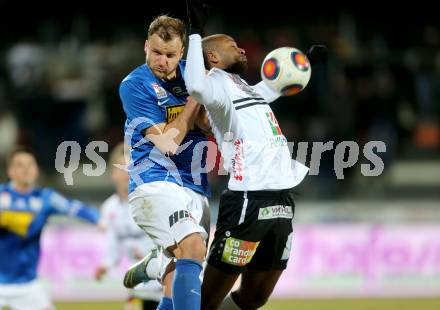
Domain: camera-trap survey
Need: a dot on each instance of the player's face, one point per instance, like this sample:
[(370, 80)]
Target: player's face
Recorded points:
[(163, 57), (119, 176), (23, 169), (233, 57)]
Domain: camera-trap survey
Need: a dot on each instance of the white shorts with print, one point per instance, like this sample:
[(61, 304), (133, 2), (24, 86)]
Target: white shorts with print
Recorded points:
[(168, 212)]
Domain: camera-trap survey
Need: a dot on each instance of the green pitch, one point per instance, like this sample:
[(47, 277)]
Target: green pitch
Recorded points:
[(331, 304), (355, 304)]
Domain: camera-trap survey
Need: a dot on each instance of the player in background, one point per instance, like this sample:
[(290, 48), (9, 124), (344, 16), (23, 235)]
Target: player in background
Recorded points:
[(254, 227), (168, 189), (123, 236), (24, 211)]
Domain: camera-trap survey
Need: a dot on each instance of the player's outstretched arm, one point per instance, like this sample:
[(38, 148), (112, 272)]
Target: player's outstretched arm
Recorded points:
[(63, 206)]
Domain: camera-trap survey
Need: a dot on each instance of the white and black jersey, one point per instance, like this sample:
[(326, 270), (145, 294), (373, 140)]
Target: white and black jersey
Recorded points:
[(123, 236), (253, 147)]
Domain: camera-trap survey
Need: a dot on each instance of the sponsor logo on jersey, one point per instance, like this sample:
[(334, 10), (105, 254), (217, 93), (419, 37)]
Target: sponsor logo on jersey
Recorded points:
[(17, 222), (160, 92), (237, 160), (5, 200), (274, 212), (160, 103), (277, 141), (173, 112), (276, 130), (238, 252), (36, 204), (179, 216), (179, 91)]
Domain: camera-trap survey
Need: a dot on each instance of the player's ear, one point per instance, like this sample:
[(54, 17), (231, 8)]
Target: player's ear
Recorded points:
[(213, 57)]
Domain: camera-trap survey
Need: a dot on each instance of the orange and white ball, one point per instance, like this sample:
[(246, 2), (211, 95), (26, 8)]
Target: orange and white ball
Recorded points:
[(286, 70)]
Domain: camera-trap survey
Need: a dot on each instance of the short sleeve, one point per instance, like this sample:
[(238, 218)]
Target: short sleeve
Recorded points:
[(266, 92), (140, 106)]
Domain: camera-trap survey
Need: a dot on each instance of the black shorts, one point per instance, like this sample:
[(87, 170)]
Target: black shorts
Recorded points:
[(254, 231)]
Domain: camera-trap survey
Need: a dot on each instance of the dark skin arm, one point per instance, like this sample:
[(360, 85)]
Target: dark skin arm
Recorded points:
[(202, 122)]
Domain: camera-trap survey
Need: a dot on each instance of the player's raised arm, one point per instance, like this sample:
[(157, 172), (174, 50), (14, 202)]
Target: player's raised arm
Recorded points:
[(63, 206), (197, 83)]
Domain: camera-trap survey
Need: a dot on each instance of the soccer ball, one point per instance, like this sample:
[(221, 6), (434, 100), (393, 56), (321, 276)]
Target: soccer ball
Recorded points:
[(286, 70)]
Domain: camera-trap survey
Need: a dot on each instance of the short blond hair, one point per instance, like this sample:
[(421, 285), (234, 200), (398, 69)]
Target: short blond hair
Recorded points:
[(167, 27)]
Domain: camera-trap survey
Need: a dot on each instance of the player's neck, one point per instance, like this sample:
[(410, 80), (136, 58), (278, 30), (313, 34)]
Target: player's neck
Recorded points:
[(22, 188)]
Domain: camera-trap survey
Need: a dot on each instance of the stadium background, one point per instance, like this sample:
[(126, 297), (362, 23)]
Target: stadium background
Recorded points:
[(360, 237)]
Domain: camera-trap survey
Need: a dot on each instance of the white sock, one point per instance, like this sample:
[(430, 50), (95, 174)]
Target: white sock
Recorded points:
[(229, 304), (153, 268)]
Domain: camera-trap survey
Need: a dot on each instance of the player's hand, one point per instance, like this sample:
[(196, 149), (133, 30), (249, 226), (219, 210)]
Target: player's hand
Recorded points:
[(100, 272), (197, 12), (317, 53)]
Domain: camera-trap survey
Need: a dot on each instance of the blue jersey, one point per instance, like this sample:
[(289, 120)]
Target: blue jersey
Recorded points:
[(22, 218), (148, 100)]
